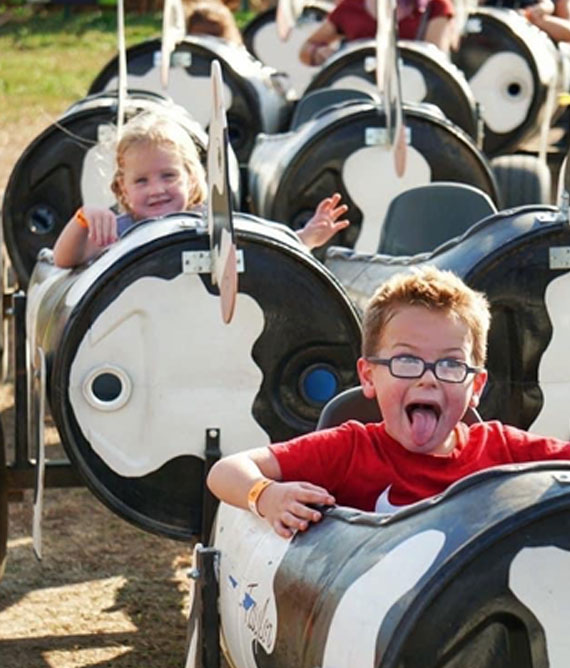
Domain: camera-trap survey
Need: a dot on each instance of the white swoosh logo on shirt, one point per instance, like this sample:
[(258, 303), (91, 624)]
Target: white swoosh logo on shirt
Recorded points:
[(383, 505)]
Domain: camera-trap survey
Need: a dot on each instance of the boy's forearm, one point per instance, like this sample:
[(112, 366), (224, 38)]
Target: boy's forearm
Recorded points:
[(231, 478)]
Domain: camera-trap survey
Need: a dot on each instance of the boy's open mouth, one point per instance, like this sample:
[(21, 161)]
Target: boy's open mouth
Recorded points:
[(423, 421)]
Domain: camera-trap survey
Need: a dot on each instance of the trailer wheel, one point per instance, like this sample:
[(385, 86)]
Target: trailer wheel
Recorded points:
[(522, 179), (3, 505)]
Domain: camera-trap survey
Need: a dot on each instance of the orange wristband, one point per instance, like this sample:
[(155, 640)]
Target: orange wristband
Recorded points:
[(80, 219), (255, 492)]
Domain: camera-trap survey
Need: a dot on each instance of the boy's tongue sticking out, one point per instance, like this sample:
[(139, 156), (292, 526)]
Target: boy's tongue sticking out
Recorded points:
[(423, 422)]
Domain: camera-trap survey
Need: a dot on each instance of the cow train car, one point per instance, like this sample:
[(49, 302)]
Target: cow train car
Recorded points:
[(476, 578), (140, 365), (148, 386)]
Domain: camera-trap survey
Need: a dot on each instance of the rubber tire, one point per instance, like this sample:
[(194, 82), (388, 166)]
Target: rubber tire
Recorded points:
[(3, 505), (522, 179)]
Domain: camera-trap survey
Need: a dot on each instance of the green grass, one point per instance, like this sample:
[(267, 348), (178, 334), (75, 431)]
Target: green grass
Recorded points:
[(48, 59)]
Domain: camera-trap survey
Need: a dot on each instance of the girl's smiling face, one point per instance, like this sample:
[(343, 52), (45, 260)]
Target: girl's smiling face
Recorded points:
[(154, 181), (421, 413)]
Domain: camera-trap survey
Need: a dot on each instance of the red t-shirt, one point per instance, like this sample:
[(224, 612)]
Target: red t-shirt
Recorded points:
[(361, 464), (352, 20)]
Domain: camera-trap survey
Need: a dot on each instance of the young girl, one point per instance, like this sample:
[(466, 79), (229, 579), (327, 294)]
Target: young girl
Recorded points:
[(159, 172)]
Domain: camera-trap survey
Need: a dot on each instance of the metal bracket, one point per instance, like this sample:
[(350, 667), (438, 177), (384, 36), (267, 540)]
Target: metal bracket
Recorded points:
[(380, 137), (550, 217), (209, 501), (204, 619), (562, 478), (200, 262), (559, 257)]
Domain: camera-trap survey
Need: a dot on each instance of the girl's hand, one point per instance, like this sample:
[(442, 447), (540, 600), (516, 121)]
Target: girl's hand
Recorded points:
[(102, 225), (324, 224), (284, 505)]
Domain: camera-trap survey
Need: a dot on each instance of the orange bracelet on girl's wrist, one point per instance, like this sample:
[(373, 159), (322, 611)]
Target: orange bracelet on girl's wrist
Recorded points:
[(255, 492), (81, 219)]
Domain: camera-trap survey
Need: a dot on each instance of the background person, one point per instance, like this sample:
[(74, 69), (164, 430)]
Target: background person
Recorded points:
[(428, 20)]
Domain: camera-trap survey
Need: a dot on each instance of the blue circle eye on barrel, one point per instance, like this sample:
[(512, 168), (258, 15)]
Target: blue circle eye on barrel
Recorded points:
[(106, 387), (319, 383)]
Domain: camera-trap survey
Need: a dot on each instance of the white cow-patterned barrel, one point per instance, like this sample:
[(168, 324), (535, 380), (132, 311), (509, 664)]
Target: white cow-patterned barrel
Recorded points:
[(262, 38), (512, 68), (426, 74), (344, 149), (256, 97), (140, 363), (477, 577)]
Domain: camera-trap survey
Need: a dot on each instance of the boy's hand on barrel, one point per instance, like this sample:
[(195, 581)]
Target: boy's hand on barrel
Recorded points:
[(102, 224), (325, 222), (284, 506)]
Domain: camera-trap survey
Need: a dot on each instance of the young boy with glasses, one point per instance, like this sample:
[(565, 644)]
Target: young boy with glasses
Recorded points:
[(424, 349)]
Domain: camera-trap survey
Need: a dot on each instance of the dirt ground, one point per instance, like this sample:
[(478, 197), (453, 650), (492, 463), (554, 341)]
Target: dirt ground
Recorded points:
[(105, 593)]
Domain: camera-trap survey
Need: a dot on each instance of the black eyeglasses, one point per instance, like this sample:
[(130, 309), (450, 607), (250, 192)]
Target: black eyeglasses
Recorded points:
[(448, 370)]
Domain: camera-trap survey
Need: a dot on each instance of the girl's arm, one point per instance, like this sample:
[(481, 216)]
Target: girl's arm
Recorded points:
[(324, 224), (89, 231)]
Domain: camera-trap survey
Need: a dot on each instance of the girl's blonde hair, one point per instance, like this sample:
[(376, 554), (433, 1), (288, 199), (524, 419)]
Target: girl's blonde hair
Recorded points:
[(434, 289), (151, 129)]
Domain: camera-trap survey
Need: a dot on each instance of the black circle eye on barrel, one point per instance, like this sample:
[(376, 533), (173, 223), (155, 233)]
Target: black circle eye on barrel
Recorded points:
[(106, 387), (319, 383), (41, 219), (514, 89)]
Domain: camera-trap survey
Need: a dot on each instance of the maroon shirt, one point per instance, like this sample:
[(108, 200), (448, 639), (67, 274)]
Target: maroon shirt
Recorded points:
[(353, 21)]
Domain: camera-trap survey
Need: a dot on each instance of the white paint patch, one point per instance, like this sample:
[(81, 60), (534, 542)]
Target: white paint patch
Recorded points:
[(538, 577), (251, 553), (284, 56), (188, 371), (191, 92), (504, 88), (144, 234), (554, 366), (363, 607), (414, 87), (97, 173), (372, 183)]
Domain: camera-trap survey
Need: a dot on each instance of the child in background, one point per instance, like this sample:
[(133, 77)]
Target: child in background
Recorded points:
[(159, 172), (552, 17), (425, 20), (212, 17), (423, 354)]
